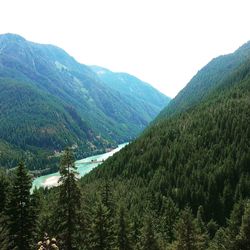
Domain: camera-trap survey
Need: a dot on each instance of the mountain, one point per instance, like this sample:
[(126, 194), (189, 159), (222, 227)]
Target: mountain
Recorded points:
[(183, 184), (198, 156), (133, 88), (49, 101), (207, 80)]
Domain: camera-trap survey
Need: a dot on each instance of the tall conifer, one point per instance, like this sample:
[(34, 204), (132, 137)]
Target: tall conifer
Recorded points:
[(101, 228), (69, 202), (123, 240), (20, 211), (149, 241)]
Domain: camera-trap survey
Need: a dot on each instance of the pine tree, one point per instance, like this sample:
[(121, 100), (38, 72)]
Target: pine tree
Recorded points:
[(4, 190), (187, 235), (149, 241), (243, 238), (4, 235), (101, 228), (20, 211), (123, 240), (234, 223), (135, 232), (69, 202), (202, 233), (107, 201), (4, 193), (169, 213), (107, 197), (37, 211), (212, 228), (219, 241)]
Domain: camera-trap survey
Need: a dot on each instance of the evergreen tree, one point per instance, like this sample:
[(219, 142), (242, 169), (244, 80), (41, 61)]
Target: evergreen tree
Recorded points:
[(123, 241), (108, 202), (135, 232), (212, 228), (4, 190), (4, 193), (69, 202), (234, 223), (168, 216), (149, 241), (101, 228), (202, 233), (4, 236), (20, 211), (219, 241), (187, 235), (107, 197), (37, 211), (243, 238)]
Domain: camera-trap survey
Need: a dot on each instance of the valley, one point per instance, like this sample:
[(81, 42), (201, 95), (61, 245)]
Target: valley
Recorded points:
[(83, 167), (49, 101), (181, 183)]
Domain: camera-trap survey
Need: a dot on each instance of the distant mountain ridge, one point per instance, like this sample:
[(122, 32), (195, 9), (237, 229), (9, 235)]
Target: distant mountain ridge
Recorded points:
[(48, 101), (129, 85), (214, 74)]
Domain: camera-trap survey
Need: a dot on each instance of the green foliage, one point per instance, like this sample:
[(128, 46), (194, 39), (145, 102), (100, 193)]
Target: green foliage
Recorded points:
[(168, 215), (194, 162), (223, 69), (131, 89), (101, 228), (21, 216), (69, 202), (198, 157), (188, 234), (123, 239), (149, 241), (243, 238), (4, 189), (49, 101), (4, 234)]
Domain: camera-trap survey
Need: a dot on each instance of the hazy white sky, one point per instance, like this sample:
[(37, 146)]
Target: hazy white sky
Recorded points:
[(163, 42)]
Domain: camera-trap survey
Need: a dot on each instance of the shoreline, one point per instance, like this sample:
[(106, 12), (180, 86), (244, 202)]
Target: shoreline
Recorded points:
[(83, 166)]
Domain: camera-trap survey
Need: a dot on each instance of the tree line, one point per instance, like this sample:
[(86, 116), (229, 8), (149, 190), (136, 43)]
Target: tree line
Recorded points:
[(95, 220)]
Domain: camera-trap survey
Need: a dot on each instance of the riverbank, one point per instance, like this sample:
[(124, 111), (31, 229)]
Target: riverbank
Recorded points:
[(83, 166)]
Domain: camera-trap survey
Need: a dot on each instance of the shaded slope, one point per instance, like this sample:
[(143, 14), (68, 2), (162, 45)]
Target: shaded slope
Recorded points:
[(199, 157), (148, 100), (49, 101)]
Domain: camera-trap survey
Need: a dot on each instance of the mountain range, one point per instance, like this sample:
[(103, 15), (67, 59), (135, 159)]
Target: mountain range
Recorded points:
[(184, 183), (196, 153), (49, 101)]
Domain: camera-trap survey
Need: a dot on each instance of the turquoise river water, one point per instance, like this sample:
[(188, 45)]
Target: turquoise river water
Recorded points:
[(84, 166)]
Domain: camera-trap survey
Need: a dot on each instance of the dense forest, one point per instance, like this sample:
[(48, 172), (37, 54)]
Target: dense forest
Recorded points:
[(49, 101), (184, 184)]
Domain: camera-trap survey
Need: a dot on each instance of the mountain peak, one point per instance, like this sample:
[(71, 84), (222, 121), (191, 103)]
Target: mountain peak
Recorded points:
[(11, 36)]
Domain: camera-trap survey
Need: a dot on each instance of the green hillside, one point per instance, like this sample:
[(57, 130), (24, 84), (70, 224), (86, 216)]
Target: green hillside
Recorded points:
[(200, 157), (50, 101), (207, 80), (184, 184), (131, 88)]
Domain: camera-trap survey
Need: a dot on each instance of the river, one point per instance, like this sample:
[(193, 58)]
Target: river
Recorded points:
[(83, 166)]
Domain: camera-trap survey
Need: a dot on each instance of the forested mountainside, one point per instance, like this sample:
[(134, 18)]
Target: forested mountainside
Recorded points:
[(49, 101), (183, 184), (132, 88), (200, 157), (214, 74)]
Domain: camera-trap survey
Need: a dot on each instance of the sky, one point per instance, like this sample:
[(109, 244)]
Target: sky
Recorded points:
[(162, 42)]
